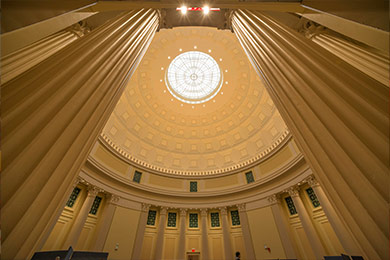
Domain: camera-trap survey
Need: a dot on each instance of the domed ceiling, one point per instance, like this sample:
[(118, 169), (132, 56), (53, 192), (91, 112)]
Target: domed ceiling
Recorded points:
[(236, 128)]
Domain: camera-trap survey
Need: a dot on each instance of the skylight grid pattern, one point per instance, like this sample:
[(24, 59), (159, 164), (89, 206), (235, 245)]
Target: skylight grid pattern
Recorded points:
[(194, 77)]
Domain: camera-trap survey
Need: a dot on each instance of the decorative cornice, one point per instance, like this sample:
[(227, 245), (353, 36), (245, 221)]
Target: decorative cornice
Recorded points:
[(272, 149)]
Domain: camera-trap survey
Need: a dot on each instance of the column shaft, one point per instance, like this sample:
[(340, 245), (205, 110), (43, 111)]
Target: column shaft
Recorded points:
[(339, 228), (18, 62), (284, 231), (139, 239), (337, 114), (182, 235), (205, 255), (80, 219), (227, 243), (160, 235), (52, 115), (250, 252), (310, 231), (105, 222)]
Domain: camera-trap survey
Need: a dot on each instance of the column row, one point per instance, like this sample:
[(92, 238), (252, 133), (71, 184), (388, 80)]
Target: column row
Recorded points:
[(295, 206), (223, 218)]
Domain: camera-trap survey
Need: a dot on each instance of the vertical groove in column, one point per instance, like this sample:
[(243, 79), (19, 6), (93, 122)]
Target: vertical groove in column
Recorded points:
[(337, 114), (53, 113), (158, 251), (139, 239)]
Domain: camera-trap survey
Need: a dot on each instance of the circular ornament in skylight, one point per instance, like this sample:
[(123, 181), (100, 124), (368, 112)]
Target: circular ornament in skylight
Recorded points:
[(193, 77)]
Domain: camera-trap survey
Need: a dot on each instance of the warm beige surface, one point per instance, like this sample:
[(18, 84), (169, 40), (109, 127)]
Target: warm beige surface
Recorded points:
[(152, 128), (264, 232), (122, 231)]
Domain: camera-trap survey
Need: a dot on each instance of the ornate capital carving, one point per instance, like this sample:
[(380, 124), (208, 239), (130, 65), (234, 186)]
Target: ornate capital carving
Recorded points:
[(76, 181), (223, 210), (203, 212), (145, 207), (114, 199), (293, 191), (93, 190), (312, 181), (273, 199), (241, 207), (163, 211), (183, 212)]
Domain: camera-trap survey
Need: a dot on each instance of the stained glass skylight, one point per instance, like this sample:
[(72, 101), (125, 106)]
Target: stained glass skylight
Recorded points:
[(193, 77)]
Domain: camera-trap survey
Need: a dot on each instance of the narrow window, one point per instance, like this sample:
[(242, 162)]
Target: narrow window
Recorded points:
[(193, 220), (193, 186), (313, 197), (151, 218), (73, 197), (95, 205), (291, 206), (137, 176), (215, 219), (235, 218), (171, 219), (249, 177)]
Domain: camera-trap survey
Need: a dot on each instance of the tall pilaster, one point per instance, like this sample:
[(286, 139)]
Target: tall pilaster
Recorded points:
[(181, 252), (105, 221), (51, 116), (338, 116), (139, 239), (227, 243), (250, 252), (160, 234), (80, 219), (284, 231), (339, 228), (205, 239), (18, 62), (310, 231)]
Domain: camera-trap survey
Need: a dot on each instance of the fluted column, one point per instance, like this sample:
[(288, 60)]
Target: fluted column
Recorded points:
[(310, 231), (18, 62), (250, 252), (337, 114), (80, 219), (365, 59), (284, 231), (339, 228), (227, 243), (182, 235), (139, 239), (51, 116), (105, 222), (160, 234), (205, 239)]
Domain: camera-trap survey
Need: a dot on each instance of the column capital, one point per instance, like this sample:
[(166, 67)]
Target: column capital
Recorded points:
[(163, 210), (293, 191), (183, 212), (241, 207), (145, 207), (92, 191), (312, 181), (76, 181), (274, 199), (203, 212), (223, 210)]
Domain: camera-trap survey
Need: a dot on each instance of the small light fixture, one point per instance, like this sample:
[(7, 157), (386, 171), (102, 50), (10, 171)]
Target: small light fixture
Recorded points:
[(180, 49), (206, 9), (220, 59), (162, 68), (209, 50), (195, 47), (226, 70), (169, 57), (183, 9), (227, 82)]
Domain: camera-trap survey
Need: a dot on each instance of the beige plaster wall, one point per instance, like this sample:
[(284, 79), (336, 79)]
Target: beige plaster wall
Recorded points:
[(122, 232), (264, 232)]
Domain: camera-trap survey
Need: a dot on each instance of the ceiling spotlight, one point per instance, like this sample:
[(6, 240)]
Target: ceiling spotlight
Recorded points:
[(183, 9), (206, 10), (195, 47)]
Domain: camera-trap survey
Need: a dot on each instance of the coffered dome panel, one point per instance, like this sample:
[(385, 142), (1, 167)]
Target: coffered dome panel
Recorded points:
[(237, 127)]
